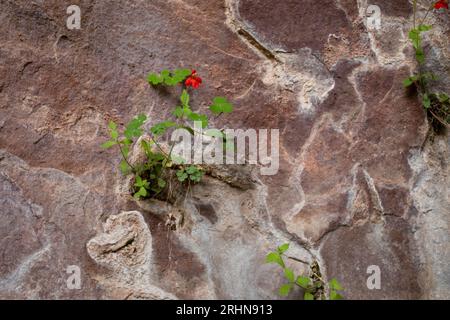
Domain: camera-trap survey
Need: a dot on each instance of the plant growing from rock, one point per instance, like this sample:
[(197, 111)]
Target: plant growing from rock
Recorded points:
[(153, 176), (313, 284), (437, 104)]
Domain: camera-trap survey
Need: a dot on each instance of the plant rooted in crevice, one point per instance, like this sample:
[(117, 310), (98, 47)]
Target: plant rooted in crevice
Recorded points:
[(437, 104), (161, 168), (313, 285)]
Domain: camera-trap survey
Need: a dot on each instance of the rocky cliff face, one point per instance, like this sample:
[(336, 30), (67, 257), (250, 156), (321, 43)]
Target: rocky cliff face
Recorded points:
[(360, 183)]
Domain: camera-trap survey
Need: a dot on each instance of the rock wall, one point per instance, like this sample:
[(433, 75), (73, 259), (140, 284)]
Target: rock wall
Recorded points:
[(360, 181)]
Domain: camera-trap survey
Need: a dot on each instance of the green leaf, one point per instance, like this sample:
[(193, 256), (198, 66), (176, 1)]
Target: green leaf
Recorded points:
[(154, 79), (420, 55), (181, 74), (108, 144), (191, 169), (289, 274), (178, 112), (196, 177), (283, 248), (141, 193), (160, 128), (424, 27), (408, 82), (114, 134), (182, 175), (303, 281), (308, 296), (221, 105), (335, 296), (146, 146), (199, 117), (335, 285), (274, 257), (161, 183), (414, 36), (126, 142), (124, 167), (285, 289), (426, 101), (443, 97), (165, 73), (138, 182), (112, 125), (125, 150), (184, 98), (133, 129)]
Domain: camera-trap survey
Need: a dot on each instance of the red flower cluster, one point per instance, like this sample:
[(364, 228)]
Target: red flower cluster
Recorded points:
[(441, 4), (193, 80)]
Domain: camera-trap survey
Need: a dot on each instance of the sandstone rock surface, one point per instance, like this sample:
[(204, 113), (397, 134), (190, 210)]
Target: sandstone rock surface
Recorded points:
[(359, 183)]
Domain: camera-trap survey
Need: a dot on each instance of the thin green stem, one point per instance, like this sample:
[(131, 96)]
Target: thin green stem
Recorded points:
[(123, 156), (159, 147)]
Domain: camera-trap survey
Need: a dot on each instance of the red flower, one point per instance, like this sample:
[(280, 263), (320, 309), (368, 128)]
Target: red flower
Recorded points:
[(441, 4), (193, 80)]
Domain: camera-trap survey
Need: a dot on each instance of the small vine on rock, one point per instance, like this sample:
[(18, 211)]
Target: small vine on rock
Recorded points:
[(153, 176), (313, 285), (437, 104)]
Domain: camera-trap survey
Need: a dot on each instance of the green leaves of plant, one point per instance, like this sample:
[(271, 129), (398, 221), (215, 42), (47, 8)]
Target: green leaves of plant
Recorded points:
[(420, 55), (124, 167), (155, 79), (275, 257), (192, 173), (285, 289), (184, 98), (308, 296), (182, 175), (414, 36), (108, 144), (289, 274), (310, 284), (133, 129), (160, 128), (424, 27), (142, 185), (335, 285), (283, 248), (199, 117), (221, 105), (410, 80), (114, 134), (303, 282), (157, 162), (426, 101), (443, 98), (169, 78)]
